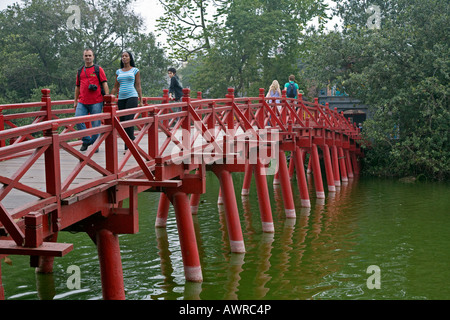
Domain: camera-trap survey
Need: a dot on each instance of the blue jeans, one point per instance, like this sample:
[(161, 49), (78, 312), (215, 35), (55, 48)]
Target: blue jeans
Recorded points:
[(84, 110)]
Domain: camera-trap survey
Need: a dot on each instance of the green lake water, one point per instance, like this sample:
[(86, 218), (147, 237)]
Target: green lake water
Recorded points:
[(402, 229)]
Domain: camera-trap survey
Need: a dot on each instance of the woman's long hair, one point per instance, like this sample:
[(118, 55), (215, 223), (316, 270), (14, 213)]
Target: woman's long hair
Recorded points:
[(275, 86), (131, 59)]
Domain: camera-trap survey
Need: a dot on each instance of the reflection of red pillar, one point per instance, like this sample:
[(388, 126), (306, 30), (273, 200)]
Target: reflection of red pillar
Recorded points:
[(328, 168), (288, 199), (247, 180), (335, 161), (231, 212), (163, 211), (110, 265), (186, 234), (194, 201), (263, 198), (342, 165), (349, 163), (301, 178), (317, 173)]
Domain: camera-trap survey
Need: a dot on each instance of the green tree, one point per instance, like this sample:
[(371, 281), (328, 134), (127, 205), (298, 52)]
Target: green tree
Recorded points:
[(42, 49), (402, 71), (252, 43)]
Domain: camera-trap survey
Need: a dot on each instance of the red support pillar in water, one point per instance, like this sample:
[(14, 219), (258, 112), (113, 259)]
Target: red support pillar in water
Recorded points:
[(263, 198), (46, 262), (110, 265), (301, 178), (194, 201), (276, 178), (220, 197), (163, 211), (349, 163), (247, 180), (335, 162), (328, 168), (231, 211), (355, 163), (342, 165), (291, 166), (320, 194), (309, 168), (186, 233), (288, 199)]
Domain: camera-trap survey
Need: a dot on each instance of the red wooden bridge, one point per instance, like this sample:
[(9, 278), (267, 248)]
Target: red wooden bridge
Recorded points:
[(49, 186)]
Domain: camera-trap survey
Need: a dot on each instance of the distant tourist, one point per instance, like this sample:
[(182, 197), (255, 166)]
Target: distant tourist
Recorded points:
[(274, 92), (91, 85), (175, 88), (128, 84), (291, 88)]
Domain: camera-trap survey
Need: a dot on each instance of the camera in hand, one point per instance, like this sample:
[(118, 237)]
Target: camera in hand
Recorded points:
[(92, 87)]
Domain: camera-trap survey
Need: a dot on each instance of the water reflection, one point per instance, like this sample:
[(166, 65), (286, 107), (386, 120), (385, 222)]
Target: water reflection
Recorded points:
[(322, 254)]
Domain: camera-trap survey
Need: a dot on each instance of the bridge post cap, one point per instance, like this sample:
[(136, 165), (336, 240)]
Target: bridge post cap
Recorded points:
[(109, 98), (186, 91), (55, 126), (45, 91)]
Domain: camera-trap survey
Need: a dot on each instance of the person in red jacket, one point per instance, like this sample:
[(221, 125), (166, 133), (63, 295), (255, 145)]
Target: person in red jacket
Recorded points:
[(91, 84)]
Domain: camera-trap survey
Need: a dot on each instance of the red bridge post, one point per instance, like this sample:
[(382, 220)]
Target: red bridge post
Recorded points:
[(320, 194), (286, 189), (349, 164), (186, 233), (342, 165), (163, 211), (110, 265), (247, 179), (335, 162), (301, 178), (263, 197), (328, 168), (193, 202), (231, 211)]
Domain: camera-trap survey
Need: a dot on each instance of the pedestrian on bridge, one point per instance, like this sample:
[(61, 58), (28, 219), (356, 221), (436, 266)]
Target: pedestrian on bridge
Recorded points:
[(274, 91), (91, 85), (128, 84), (175, 88), (292, 90)]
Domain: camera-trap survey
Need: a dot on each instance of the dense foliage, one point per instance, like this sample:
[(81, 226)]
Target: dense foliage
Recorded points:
[(402, 70), (242, 44), (41, 47)]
